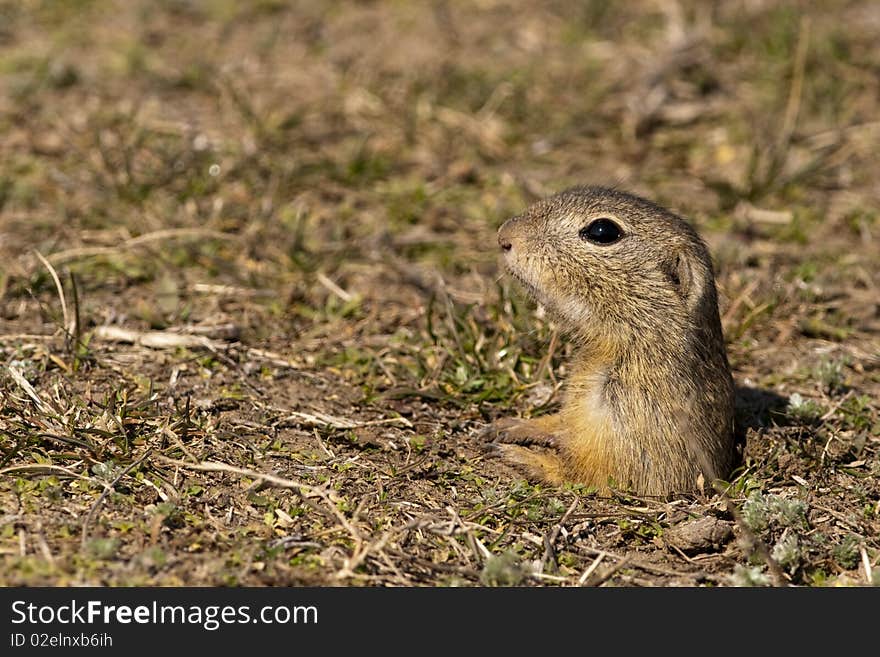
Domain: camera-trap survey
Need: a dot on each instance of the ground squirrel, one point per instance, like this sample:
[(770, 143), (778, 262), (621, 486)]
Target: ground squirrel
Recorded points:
[(649, 402)]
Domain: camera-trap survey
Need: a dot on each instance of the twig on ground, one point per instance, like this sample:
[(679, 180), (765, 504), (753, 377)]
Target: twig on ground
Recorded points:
[(609, 572), (153, 339), (551, 536), (591, 568)]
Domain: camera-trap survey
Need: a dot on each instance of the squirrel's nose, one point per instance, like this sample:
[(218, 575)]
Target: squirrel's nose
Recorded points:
[(504, 235)]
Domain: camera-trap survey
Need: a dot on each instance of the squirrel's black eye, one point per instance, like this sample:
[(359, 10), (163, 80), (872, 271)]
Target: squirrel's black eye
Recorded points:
[(601, 231)]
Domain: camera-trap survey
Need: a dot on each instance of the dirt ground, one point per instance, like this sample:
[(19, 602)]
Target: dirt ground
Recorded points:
[(252, 318)]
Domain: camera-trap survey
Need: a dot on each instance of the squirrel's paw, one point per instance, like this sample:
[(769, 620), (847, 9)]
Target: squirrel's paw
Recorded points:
[(537, 465), (516, 431)]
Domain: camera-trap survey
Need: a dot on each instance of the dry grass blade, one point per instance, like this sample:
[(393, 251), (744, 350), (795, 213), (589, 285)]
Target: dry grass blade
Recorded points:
[(25, 385), (866, 565), (318, 419), (792, 108), (324, 280), (68, 255), (36, 469), (59, 289)]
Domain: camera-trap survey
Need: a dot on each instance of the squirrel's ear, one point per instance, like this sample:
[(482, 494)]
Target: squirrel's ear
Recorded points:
[(681, 273), (688, 277)]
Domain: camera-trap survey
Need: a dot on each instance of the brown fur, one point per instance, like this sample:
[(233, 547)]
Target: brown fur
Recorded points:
[(649, 402)]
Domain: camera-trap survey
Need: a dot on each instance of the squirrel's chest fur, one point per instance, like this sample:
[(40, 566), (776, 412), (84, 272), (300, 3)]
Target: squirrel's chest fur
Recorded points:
[(642, 432)]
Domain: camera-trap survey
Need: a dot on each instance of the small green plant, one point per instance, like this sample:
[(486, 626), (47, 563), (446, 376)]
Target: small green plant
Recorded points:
[(787, 551), (505, 569), (755, 512), (637, 530), (418, 443), (749, 576), (832, 374), (858, 413), (803, 410), (846, 553), (761, 511), (103, 548)]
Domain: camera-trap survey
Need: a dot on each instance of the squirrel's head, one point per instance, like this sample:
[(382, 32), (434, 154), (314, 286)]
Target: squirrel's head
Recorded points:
[(611, 265)]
